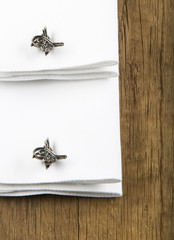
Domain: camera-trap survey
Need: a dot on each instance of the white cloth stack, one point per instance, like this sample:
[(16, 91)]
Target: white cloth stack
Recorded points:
[(70, 96)]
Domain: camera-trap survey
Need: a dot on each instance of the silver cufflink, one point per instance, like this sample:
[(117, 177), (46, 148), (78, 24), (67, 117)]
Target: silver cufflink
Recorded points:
[(44, 43), (46, 154)]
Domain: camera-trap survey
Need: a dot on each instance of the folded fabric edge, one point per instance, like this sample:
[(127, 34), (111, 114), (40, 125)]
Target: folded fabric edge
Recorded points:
[(75, 69), (80, 194), (70, 182), (61, 77)]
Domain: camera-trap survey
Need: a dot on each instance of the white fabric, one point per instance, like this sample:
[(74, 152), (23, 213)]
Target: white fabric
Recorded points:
[(86, 190), (71, 96), (88, 29)]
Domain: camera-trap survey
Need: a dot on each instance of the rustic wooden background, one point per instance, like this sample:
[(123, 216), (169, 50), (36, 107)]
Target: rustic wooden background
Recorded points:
[(146, 211)]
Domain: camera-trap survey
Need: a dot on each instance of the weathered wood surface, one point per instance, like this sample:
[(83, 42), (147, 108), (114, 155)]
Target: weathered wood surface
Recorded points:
[(146, 211)]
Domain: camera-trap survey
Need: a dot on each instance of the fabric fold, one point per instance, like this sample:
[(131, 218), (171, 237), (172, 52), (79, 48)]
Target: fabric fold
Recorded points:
[(94, 71)]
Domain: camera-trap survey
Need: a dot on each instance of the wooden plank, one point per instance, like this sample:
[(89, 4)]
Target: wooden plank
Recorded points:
[(39, 217)]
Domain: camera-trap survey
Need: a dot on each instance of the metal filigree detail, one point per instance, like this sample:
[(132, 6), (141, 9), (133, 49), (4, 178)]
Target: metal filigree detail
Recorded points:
[(46, 154), (44, 43)]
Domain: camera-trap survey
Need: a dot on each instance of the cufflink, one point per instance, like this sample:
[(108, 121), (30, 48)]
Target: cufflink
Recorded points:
[(46, 154), (44, 43)]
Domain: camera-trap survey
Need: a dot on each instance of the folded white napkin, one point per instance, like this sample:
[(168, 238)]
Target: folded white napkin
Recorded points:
[(78, 111)]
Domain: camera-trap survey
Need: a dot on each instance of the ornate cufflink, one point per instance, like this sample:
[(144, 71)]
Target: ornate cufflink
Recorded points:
[(44, 43), (46, 154)]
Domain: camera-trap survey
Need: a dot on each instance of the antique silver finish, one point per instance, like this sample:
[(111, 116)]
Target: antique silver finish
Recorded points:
[(46, 154), (44, 43)]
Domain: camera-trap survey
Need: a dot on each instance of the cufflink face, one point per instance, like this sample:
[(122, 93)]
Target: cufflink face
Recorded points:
[(46, 154), (44, 43)]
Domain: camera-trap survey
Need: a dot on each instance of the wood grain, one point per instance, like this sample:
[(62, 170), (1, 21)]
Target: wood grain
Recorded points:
[(146, 211)]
